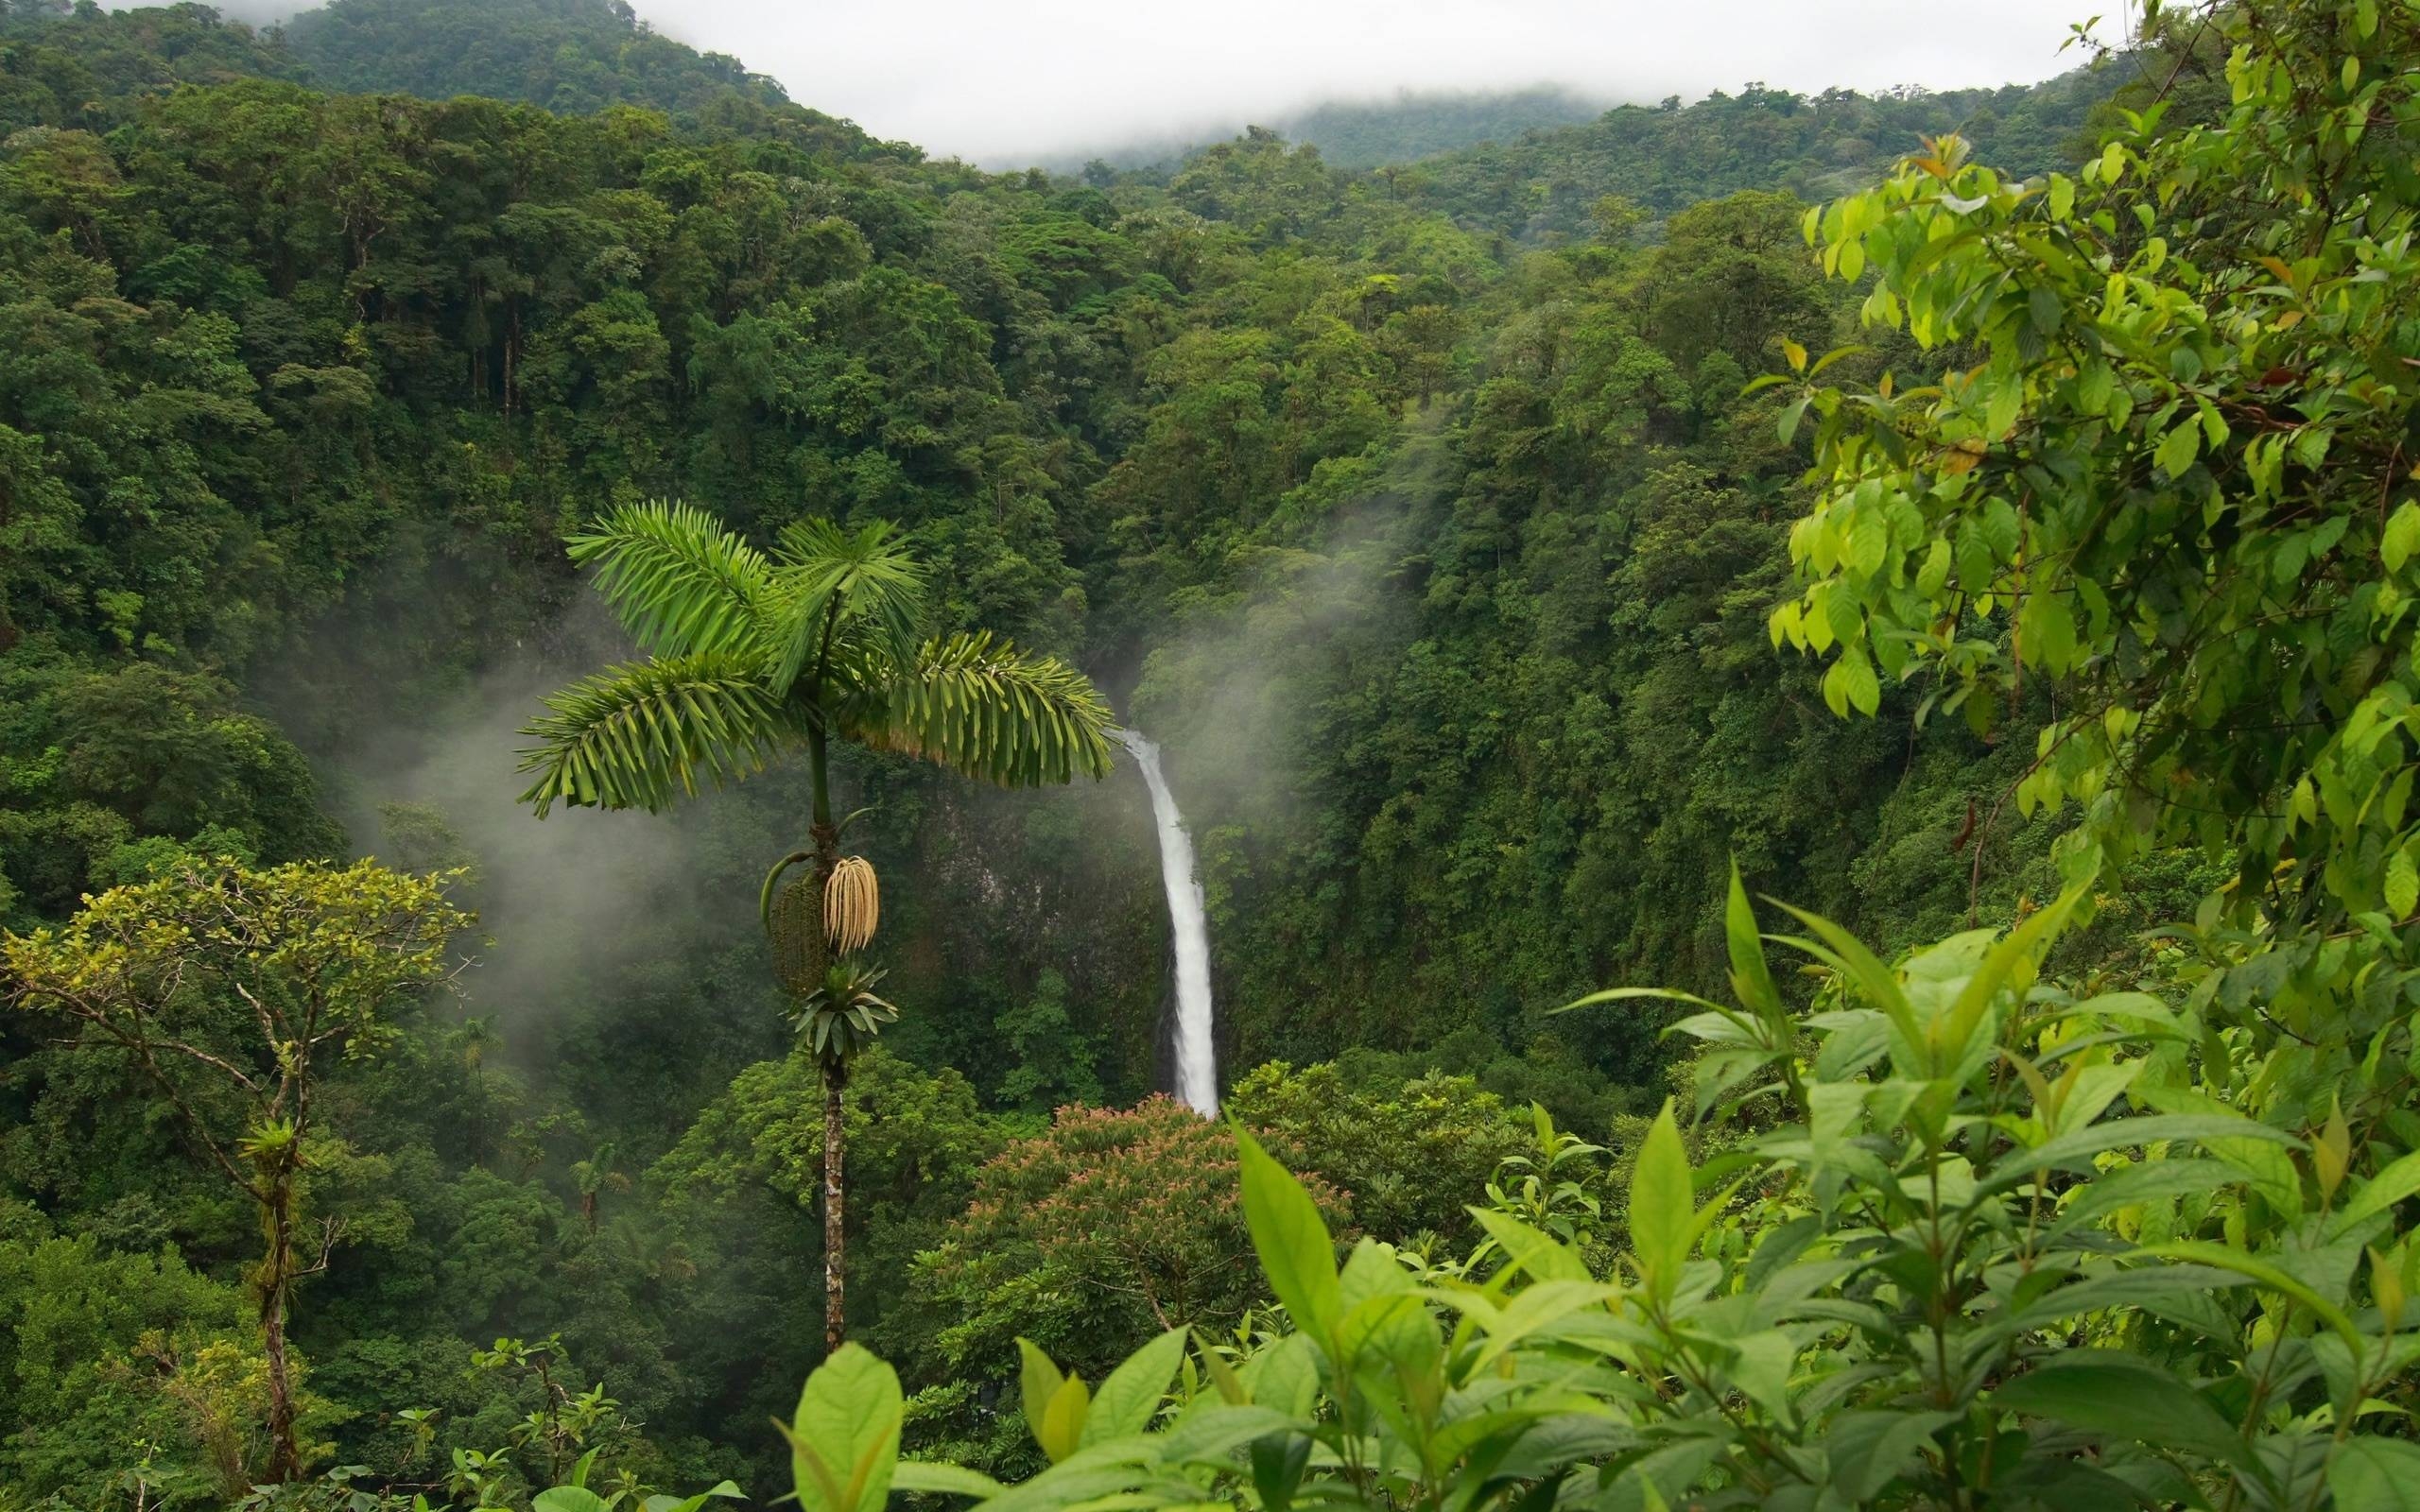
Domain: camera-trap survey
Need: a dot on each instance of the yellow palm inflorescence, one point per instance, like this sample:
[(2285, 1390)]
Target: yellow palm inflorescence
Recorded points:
[(852, 906)]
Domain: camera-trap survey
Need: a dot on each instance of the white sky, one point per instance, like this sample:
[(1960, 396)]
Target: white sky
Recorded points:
[(1000, 80)]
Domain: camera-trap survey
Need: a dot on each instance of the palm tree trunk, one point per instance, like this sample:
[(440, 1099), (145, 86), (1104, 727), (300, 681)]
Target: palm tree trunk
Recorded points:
[(836, 1078), (826, 837)]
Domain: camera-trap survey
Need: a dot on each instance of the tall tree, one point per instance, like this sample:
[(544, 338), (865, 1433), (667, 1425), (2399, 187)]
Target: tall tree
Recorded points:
[(233, 991), (753, 654)]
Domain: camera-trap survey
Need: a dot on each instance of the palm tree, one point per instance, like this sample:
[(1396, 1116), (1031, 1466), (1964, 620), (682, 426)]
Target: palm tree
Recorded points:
[(754, 654)]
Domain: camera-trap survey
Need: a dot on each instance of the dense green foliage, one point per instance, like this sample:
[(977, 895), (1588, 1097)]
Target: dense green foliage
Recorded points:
[(565, 55), (1990, 1238), (1423, 519), (1661, 158)]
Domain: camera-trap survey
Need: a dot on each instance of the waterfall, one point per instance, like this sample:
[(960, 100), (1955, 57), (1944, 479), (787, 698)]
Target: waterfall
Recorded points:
[(1196, 1064)]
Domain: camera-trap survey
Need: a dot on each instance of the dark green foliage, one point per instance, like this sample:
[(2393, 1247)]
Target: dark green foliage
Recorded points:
[(84, 67), (1371, 133), (1544, 187), (1353, 134), (110, 772), (572, 56)]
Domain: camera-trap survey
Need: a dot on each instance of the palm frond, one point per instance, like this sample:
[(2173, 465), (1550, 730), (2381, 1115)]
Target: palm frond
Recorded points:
[(679, 583), (645, 733), (983, 708), (829, 577)]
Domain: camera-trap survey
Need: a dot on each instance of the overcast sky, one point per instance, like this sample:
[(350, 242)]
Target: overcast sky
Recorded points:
[(1002, 81)]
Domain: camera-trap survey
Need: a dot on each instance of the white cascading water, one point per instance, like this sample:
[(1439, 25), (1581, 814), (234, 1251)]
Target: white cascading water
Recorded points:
[(1197, 1062)]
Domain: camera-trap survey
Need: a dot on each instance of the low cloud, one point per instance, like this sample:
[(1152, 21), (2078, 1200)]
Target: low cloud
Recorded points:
[(1016, 83)]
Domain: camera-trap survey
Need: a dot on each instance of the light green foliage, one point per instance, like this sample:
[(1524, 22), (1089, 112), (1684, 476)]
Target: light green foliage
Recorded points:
[(1103, 1231), (2173, 484), (2168, 489), (845, 1437), (1963, 1266), (107, 1349), (1407, 1157), (232, 995)]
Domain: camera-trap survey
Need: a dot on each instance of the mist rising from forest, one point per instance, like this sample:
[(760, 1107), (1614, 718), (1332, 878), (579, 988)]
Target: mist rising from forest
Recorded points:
[(432, 783), (1226, 698)]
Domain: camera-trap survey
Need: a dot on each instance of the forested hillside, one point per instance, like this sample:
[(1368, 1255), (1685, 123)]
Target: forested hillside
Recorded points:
[(1433, 522), (1368, 133), (565, 55)]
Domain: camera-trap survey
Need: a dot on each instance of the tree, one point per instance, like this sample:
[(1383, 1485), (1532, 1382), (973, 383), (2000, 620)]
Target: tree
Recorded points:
[(233, 993), (1109, 1227), (750, 654), (1411, 1153), (2176, 488)]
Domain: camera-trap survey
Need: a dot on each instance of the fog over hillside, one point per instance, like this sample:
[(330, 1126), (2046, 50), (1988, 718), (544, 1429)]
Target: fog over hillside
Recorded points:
[(1056, 81)]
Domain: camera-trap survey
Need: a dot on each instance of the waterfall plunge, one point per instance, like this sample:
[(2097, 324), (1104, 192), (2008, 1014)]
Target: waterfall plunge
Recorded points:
[(1197, 1063)]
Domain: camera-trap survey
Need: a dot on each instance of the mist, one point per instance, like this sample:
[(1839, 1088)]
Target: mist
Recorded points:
[(1009, 85), (555, 896)]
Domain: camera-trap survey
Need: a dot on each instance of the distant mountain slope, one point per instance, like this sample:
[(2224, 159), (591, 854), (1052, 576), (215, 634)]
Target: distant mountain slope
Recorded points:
[(1546, 185), (1368, 134), (68, 67), (570, 56), (1350, 133)]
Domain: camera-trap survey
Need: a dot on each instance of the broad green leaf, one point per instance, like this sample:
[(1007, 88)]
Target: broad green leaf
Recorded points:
[(1858, 682), (2077, 1149), (567, 1499), (1759, 1368), (1285, 1377), (1752, 980), (844, 1438), (1038, 1380), (2400, 541), (1541, 1256), (1056, 1406), (1295, 1252), (1278, 1461), (1847, 955), (2381, 1191), (2149, 1182), (2369, 1474), (1869, 1449), (1791, 413), (2226, 1257), (1869, 541), (2123, 1396), (1134, 1391), (2138, 1287), (2006, 966), (1213, 1435), (1661, 1205), (2402, 884), (2178, 449), (1061, 1431), (945, 1480)]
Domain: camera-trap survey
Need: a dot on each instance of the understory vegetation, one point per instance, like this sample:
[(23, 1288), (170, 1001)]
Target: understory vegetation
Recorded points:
[(1798, 713)]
